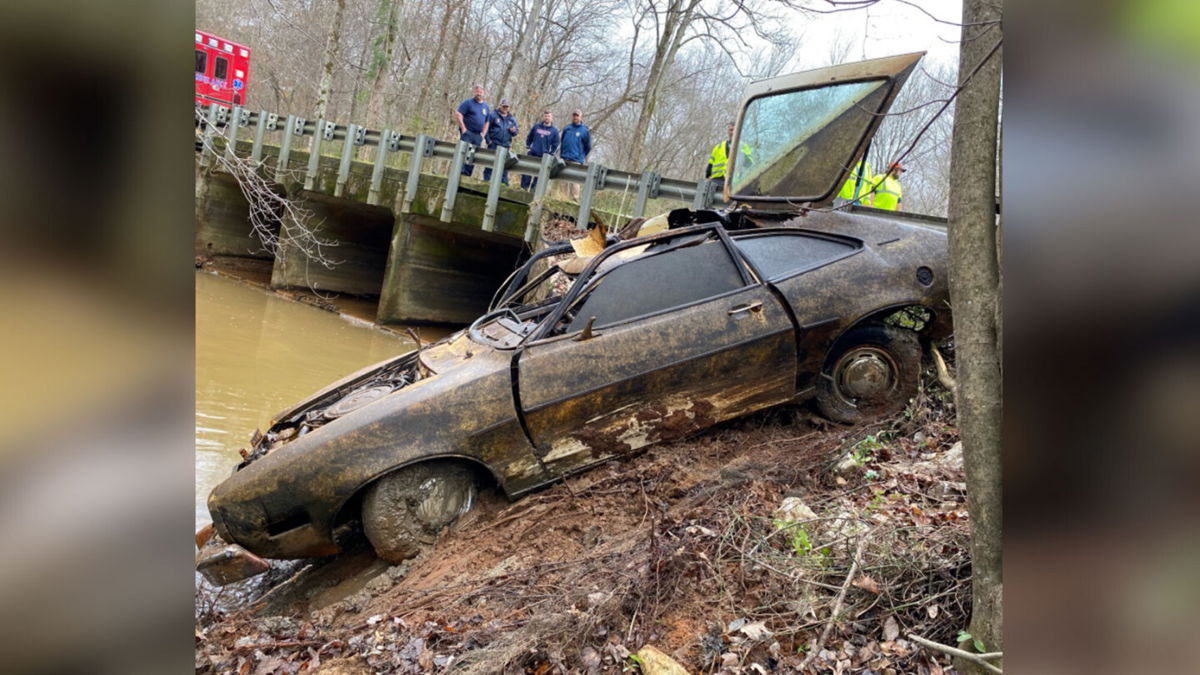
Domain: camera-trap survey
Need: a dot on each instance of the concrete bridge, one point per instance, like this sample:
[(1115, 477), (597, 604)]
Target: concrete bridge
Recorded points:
[(433, 248)]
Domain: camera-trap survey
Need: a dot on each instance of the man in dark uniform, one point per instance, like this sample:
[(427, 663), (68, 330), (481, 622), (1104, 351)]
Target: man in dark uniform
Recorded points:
[(472, 116)]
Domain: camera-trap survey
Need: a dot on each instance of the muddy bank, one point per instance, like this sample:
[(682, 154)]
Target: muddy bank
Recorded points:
[(726, 551)]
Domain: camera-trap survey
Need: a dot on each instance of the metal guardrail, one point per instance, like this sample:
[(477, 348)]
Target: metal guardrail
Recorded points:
[(592, 177)]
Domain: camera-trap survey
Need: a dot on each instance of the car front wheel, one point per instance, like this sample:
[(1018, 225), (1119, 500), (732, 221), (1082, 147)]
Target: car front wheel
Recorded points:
[(405, 510), (871, 371)]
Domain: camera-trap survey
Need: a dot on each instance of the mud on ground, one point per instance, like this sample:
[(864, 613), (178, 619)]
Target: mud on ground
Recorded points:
[(727, 551)]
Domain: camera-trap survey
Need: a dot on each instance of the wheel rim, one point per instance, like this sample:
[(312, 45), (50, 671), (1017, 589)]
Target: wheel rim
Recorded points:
[(866, 375)]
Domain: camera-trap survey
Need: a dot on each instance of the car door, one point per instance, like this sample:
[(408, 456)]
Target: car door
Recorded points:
[(682, 338)]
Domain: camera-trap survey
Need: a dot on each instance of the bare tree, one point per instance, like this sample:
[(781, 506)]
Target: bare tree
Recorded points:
[(381, 57), (331, 51)]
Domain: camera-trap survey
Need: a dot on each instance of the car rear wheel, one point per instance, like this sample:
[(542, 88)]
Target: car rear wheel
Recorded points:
[(871, 371), (404, 511)]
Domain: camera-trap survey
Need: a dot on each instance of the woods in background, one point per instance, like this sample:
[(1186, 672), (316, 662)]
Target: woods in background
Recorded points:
[(655, 80)]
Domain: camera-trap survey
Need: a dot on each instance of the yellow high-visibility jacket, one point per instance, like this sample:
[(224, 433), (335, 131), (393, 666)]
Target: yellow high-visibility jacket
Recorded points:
[(863, 168), (719, 158), (887, 193)]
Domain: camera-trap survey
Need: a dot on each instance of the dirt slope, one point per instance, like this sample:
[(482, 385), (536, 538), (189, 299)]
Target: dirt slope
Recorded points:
[(684, 547)]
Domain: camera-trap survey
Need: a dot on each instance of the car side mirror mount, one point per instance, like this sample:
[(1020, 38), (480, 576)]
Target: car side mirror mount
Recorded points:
[(587, 333)]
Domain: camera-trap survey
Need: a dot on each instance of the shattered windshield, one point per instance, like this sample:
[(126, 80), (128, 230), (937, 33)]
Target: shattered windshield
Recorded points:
[(818, 127)]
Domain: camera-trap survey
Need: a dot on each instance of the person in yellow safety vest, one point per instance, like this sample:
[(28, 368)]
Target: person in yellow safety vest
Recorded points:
[(718, 161), (887, 193), (863, 168)]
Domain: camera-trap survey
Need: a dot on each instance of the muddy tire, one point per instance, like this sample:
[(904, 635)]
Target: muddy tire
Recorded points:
[(404, 511), (872, 371)]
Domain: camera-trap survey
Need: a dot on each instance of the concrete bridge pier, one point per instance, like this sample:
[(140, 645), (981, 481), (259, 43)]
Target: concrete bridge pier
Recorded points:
[(443, 272), (223, 217), (353, 237)]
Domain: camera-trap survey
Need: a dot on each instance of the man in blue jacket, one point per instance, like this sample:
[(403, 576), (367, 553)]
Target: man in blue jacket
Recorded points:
[(542, 139), (472, 116), (576, 145), (502, 129)]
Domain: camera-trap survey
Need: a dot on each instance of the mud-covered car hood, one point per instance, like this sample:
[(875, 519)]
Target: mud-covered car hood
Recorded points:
[(357, 390)]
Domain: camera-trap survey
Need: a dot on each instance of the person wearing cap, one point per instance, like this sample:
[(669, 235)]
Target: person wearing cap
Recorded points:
[(576, 146), (542, 139), (718, 161), (472, 116), (887, 192), (502, 129)]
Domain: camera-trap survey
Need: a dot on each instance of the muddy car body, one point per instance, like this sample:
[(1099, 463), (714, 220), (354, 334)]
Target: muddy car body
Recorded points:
[(721, 314)]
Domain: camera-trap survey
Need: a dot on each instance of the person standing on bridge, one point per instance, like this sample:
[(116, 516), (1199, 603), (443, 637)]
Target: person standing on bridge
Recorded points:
[(472, 116), (576, 146), (542, 139), (502, 129)]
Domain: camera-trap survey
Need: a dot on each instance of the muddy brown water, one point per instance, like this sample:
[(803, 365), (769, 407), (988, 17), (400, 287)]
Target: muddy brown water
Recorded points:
[(257, 354)]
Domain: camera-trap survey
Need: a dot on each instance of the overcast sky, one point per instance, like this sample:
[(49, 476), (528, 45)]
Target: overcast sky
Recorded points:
[(889, 27)]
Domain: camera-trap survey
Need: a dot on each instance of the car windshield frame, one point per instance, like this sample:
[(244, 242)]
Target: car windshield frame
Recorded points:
[(892, 71)]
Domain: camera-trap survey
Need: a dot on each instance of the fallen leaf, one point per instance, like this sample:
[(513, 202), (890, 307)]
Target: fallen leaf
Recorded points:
[(756, 630), (590, 657), (891, 629), (932, 611), (866, 583)]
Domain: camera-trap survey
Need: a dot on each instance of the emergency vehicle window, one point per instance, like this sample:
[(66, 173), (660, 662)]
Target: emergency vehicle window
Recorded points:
[(221, 69), (201, 61), (657, 283), (781, 254)]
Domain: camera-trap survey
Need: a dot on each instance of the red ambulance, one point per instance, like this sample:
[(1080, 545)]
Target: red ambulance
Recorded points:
[(222, 71)]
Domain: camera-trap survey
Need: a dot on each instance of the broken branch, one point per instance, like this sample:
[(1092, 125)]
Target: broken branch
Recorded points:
[(980, 659), (837, 604), (943, 373)]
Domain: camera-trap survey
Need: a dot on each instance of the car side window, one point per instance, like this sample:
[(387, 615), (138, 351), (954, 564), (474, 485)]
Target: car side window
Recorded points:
[(658, 282), (201, 62), (778, 255)]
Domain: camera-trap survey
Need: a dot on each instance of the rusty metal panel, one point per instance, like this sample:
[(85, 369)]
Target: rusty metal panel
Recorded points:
[(655, 378)]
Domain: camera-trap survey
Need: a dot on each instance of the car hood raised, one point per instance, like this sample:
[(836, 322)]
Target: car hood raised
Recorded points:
[(798, 135)]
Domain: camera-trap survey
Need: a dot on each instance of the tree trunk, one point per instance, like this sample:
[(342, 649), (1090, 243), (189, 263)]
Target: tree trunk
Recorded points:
[(330, 58), (975, 296), (518, 53), (381, 60), (429, 122), (675, 25)]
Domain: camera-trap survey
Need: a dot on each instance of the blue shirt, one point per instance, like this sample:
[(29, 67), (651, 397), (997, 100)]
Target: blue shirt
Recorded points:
[(475, 114), (576, 142), (502, 129), (542, 139)]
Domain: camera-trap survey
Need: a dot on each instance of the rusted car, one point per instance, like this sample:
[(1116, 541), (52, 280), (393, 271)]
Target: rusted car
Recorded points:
[(654, 337)]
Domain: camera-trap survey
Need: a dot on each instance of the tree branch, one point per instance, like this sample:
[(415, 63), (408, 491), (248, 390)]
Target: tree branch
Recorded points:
[(979, 659)]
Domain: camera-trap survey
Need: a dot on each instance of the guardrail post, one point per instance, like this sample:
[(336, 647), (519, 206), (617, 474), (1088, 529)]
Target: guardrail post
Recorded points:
[(385, 138), (593, 182), (422, 148), (324, 131), (703, 198), (539, 196), (206, 148), (348, 145), (493, 198), (295, 127), (259, 132), (647, 189), (461, 153), (231, 132)]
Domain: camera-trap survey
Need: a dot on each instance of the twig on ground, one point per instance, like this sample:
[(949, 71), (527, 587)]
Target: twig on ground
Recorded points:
[(980, 659), (837, 605)]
